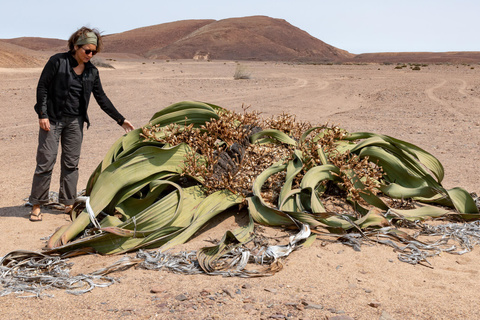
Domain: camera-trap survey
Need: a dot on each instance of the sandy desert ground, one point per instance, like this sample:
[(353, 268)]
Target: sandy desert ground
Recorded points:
[(435, 108)]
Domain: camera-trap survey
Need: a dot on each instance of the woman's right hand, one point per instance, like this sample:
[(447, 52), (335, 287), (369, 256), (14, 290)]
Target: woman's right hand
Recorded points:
[(44, 124), (127, 126)]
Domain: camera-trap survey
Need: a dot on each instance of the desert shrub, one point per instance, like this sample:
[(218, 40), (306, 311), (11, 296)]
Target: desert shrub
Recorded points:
[(241, 72), (101, 64)]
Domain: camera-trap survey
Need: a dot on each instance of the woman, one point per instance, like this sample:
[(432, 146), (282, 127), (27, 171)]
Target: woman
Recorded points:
[(63, 94)]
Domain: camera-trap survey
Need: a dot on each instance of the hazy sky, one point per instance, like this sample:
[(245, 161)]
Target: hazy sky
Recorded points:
[(358, 26)]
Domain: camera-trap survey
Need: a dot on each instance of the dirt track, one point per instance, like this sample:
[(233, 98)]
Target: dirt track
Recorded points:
[(435, 108)]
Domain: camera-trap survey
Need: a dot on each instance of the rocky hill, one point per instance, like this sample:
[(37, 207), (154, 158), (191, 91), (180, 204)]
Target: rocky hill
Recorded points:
[(143, 40), (249, 38), (16, 56), (39, 44)]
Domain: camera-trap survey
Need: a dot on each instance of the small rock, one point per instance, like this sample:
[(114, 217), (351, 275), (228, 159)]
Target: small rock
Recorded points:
[(367, 290), (277, 316), (238, 291), (246, 286), (181, 297), (204, 293), (228, 292), (156, 290), (374, 304), (299, 307), (313, 306), (270, 290)]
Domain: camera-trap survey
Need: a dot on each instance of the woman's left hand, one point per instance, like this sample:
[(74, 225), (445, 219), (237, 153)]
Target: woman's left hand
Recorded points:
[(127, 126)]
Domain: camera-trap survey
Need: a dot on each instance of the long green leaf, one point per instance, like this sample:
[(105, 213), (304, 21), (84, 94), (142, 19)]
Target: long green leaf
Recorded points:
[(424, 157), (262, 177), (187, 116), (214, 204), (462, 200), (265, 215), (182, 106), (273, 133), (294, 166), (312, 178), (143, 163), (420, 213)]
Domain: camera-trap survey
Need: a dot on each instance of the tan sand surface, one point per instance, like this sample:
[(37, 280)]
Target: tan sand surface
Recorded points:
[(435, 108)]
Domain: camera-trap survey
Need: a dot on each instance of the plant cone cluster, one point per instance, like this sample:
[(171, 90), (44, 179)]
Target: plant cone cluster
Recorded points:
[(159, 184)]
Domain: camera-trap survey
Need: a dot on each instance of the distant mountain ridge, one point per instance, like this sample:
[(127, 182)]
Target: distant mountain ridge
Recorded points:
[(247, 38), (258, 38)]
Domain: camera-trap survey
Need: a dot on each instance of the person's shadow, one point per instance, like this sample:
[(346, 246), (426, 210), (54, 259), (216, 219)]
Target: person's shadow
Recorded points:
[(23, 211), (16, 211)]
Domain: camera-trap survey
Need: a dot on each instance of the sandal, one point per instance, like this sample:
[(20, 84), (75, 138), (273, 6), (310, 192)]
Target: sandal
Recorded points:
[(35, 214)]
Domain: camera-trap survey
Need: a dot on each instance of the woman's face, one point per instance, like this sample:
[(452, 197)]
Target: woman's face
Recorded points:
[(85, 52)]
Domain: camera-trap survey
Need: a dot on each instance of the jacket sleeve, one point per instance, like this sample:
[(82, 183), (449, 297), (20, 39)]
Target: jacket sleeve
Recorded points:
[(104, 102), (46, 78)]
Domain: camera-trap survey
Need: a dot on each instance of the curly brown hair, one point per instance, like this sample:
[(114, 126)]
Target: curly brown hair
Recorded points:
[(82, 32)]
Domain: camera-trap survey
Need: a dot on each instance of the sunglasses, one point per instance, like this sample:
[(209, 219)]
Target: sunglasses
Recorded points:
[(88, 51)]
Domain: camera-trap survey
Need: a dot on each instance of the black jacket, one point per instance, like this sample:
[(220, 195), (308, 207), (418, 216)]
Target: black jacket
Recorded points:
[(54, 84)]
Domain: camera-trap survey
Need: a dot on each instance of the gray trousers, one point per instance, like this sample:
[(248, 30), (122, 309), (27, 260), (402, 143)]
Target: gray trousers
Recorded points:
[(68, 131)]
